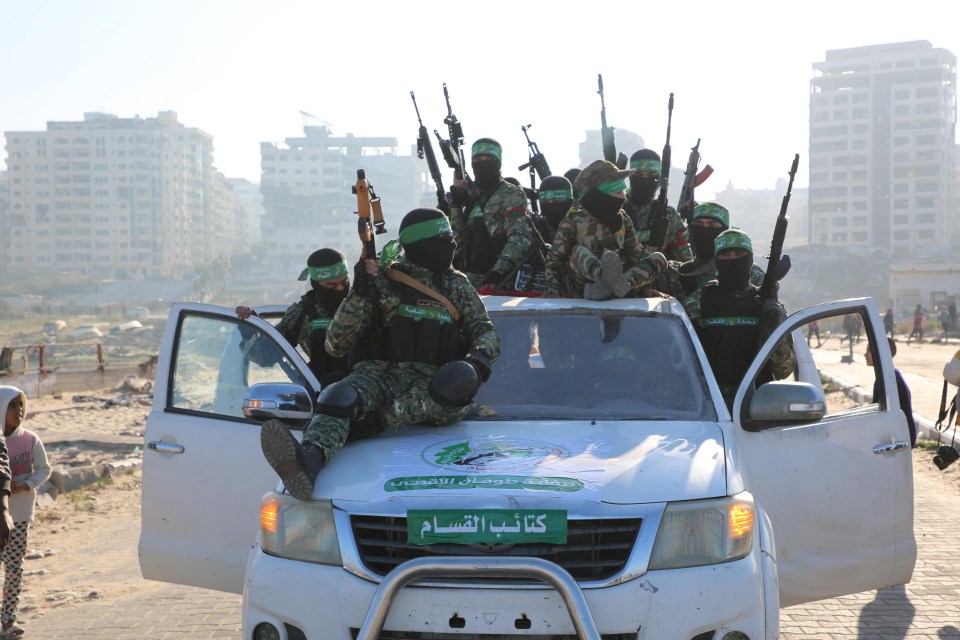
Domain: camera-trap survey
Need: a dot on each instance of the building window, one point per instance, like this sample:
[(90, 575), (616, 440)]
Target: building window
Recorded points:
[(925, 218), (925, 203), (900, 204), (900, 219), (839, 237)]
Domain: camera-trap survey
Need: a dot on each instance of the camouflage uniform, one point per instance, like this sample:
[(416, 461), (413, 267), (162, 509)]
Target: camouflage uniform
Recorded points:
[(396, 392), (505, 218), (677, 242), (576, 249)]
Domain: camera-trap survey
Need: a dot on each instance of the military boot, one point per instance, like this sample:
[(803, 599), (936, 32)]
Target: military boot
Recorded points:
[(296, 464), (611, 274), (596, 291)]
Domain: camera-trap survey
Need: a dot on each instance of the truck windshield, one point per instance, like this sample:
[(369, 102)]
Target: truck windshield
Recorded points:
[(586, 366)]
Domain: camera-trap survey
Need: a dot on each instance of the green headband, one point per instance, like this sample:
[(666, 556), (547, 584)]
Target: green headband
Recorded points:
[(732, 239), (487, 149), (649, 165), (712, 210), (329, 272), (426, 229), (616, 186), (556, 194)]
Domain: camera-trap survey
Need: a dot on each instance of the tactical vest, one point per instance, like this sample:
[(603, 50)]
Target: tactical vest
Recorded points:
[(480, 251), (729, 332), (422, 330)]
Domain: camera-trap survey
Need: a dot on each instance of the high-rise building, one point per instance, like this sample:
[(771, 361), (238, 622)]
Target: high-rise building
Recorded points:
[(882, 154), (116, 197), (306, 184)]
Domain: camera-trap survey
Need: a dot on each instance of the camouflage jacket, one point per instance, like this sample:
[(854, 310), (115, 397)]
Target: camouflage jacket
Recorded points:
[(576, 249), (507, 222), (670, 282), (355, 315), (678, 240)]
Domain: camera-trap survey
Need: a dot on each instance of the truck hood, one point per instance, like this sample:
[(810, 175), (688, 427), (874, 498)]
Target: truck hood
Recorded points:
[(616, 462)]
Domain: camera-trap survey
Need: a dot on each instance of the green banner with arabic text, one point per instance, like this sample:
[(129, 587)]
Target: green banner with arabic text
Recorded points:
[(473, 526)]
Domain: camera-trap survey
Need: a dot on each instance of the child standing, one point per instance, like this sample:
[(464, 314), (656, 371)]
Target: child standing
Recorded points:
[(29, 469)]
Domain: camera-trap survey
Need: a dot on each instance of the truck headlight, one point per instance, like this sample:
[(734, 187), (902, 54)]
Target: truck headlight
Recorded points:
[(702, 532), (299, 529)]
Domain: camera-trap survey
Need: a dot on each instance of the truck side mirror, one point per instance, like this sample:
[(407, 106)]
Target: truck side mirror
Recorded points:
[(786, 402), (281, 400)]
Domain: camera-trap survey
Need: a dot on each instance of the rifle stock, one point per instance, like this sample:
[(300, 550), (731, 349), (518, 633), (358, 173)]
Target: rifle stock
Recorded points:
[(369, 221), (425, 151), (777, 264)]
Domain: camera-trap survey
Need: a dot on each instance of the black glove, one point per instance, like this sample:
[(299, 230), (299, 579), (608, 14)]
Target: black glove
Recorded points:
[(769, 316), (360, 276), (458, 196), (481, 362), (658, 231)]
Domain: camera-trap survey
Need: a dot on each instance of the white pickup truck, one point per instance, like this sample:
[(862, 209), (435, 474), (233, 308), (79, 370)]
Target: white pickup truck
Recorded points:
[(600, 487)]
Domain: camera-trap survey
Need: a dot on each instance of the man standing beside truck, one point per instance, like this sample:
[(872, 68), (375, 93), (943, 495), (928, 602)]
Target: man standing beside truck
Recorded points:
[(437, 341)]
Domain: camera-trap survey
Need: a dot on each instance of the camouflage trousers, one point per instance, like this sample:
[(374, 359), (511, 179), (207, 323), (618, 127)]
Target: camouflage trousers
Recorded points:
[(392, 395)]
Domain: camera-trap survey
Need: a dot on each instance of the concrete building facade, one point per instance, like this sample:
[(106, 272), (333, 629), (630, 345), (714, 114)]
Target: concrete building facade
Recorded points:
[(308, 202), (112, 197), (882, 153)]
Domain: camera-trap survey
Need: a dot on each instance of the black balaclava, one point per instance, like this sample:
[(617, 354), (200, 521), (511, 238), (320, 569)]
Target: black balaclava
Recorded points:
[(644, 188), (427, 240), (486, 173), (335, 264), (603, 207), (556, 197), (571, 175), (702, 240), (733, 274)]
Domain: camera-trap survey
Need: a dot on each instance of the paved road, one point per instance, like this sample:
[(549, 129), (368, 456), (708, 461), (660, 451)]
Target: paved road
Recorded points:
[(928, 608)]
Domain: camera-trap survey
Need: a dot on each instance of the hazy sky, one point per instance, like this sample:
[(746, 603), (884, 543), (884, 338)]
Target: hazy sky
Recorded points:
[(243, 70)]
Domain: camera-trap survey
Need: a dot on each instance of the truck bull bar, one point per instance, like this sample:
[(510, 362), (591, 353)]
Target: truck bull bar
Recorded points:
[(472, 567)]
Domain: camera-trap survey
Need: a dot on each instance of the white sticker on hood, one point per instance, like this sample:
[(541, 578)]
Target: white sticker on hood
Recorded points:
[(427, 464)]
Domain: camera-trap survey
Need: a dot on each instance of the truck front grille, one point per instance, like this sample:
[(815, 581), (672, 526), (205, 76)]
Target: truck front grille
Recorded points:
[(595, 549)]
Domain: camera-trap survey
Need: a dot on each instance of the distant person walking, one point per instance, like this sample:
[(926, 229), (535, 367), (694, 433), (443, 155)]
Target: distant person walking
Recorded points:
[(888, 322), (945, 323), (813, 330), (29, 469), (917, 325)]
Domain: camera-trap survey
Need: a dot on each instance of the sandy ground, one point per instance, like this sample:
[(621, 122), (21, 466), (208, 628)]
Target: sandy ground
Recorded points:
[(83, 544)]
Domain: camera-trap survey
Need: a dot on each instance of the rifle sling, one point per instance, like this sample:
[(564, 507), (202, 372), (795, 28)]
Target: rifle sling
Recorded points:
[(402, 278)]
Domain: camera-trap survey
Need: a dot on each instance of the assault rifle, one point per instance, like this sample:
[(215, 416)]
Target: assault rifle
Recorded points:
[(368, 203), (659, 222), (452, 148), (691, 180), (537, 164), (606, 133), (777, 264), (425, 151)]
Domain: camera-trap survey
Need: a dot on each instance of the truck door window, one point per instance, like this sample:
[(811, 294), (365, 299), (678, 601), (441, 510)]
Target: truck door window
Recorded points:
[(831, 354), (217, 359)]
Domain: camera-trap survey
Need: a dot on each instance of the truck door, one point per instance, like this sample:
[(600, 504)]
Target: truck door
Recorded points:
[(839, 490), (203, 471)]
